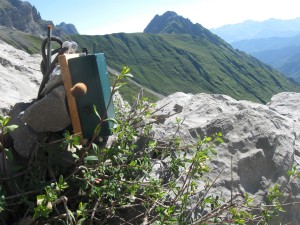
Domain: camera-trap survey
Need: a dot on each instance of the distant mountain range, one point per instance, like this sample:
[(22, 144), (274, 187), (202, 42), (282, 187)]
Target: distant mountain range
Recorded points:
[(25, 17), (258, 29), (173, 54), (275, 42)]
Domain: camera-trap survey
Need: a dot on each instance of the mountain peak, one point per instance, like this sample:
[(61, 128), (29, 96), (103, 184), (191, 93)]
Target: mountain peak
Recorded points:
[(171, 23), (169, 14)]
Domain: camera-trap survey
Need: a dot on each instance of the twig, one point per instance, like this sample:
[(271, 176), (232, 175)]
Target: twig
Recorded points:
[(21, 194), (64, 199), (216, 211), (94, 212), (59, 217), (16, 175), (201, 199), (140, 215), (160, 108)]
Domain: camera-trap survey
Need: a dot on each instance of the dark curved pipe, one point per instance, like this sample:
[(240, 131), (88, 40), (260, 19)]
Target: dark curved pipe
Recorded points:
[(47, 70)]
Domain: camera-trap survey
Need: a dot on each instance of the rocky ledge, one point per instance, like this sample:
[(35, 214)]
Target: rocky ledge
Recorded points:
[(262, 142)]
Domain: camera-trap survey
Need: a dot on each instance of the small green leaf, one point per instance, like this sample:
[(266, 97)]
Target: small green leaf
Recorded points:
[(91, 158), (75, 156), (128, 75), (80, 222), (96, 112), (111, 120), (125, 70), (207, 139), (132, 163), (95, 147), (219, 140), (121, 83), (117, 87), (12, 127), (213, 151), (60, 179), (5, 120), (97, 130), (82, 206), (40, 199), (290, 172), (240, 221), (71, 215)]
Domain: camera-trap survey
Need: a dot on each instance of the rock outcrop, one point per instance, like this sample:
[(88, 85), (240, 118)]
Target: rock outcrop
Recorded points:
[(67, 28), (261, 141), (171, 23), (20, 76), (22, 16)]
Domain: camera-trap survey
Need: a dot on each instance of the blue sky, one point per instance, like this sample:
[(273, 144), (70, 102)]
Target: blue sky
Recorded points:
[(112, 16)]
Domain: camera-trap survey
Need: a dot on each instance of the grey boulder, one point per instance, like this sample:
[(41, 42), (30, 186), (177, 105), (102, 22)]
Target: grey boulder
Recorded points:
[(260, 141)]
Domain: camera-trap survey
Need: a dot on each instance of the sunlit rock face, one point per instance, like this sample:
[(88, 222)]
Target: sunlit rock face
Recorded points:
[(261, 142), (20, 76)]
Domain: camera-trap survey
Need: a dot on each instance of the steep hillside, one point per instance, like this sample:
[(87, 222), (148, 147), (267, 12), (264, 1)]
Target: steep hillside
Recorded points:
[(20, 40), (21, 15), (280, 53), (173, 54), (171, 62), (292, 67), (274, 42)]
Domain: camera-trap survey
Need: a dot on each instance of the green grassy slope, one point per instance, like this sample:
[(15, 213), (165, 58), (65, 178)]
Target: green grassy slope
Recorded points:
[(32, 45), (168, 63), (21, 40)]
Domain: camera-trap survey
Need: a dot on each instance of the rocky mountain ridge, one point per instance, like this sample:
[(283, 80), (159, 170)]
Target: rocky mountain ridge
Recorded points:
[(23, 16), (171, 23)]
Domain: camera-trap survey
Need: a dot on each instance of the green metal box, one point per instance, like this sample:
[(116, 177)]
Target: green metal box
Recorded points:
[(91, 70)]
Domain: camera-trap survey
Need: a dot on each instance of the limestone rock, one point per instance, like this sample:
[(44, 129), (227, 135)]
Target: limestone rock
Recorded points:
[(19, 76), (50, 113), (25, 139), (287, 104), (53, 82), (260, 141)]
